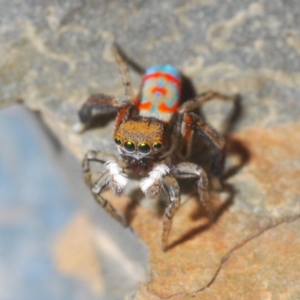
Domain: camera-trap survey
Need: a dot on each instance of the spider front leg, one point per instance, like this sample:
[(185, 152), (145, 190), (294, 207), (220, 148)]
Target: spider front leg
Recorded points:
[(152, 185), (190, 170), (98, 104), (171, 187), (112, 177)]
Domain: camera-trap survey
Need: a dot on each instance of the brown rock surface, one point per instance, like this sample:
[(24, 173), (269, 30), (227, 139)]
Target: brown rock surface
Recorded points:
[(263, 267), (242, 240)]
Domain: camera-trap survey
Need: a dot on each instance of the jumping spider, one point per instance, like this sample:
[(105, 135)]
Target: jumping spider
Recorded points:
[(153, 134)]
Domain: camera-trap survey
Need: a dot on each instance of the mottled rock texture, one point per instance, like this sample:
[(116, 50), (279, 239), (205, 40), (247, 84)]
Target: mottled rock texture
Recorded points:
[(54, 54)]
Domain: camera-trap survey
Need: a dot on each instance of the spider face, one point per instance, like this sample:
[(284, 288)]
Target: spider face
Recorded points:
[(141, 138)]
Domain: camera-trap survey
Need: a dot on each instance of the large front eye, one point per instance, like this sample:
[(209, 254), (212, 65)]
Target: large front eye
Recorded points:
[(144, 148), (129, 146)]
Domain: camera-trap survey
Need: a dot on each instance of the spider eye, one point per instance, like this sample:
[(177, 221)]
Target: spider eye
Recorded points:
[(157, 146), (129, 146), (144, 148), (117, 141)]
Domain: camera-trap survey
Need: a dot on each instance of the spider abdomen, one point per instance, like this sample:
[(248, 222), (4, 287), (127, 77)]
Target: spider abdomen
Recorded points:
[(160, 92)]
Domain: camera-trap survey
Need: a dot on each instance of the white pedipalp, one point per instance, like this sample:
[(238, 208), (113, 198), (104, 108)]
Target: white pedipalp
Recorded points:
[(155, 177), (146, 183), (116, 174), (159, 171)]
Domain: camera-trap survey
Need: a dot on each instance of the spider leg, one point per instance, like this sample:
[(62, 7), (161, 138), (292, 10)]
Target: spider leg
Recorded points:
[(190, 170), (97, 104), (213, 140), (93, 156), (187, 123), (107, 179), (124, 73), (171, 187), (191, 123), (203, 98)]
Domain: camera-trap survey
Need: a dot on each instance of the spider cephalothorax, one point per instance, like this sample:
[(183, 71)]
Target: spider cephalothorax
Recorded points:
[(141, 142), (142, 137), (153, 134)]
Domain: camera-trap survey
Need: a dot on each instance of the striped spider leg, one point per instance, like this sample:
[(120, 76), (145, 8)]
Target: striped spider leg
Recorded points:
[(113, 177)]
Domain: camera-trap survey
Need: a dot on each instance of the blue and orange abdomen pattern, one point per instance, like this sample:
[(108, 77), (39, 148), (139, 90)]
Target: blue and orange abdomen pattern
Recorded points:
[(160, 92)]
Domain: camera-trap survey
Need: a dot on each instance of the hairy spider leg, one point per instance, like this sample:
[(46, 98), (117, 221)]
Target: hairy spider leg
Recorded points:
[(111, 178), (123, 69), (160, 92), (100, 104), (171, 187), (191, 123), (191, 170)]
